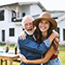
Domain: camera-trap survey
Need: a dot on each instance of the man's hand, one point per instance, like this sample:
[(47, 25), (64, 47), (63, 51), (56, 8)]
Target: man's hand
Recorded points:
[(22, 36), (23, 58)]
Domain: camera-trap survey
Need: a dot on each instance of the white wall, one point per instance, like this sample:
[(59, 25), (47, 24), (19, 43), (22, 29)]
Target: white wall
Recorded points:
[(61, 26), (18, 32), (7, 16), (13, 39), (25, 8), (6, 24), (61, 34), (35, 9)]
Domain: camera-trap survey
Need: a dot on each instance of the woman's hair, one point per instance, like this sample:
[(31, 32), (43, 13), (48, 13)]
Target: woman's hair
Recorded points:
[(38, 34)]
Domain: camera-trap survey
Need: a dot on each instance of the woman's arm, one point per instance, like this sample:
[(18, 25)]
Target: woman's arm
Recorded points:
[(48, 55)]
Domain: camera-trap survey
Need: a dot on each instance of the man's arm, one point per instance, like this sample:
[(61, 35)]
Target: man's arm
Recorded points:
[(42, 60), (34, 47)]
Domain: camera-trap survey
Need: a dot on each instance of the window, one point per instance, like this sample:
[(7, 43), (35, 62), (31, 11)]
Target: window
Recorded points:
[(58, 29), (13, 15), (11, 32), (3, 35), (1, 15), (23, 14)]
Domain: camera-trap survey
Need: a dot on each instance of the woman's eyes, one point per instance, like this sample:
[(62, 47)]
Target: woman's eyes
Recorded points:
[(44, 23)]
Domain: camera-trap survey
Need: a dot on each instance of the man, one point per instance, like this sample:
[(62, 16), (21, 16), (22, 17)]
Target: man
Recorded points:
[(28, 46)]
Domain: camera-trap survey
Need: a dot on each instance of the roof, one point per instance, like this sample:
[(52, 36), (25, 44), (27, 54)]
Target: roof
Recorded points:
[(19, 3), (5, 2), (25, 3), (57, 14), (54, 15)]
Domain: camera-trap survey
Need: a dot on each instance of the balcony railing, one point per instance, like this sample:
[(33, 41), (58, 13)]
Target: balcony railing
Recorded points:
[(17, 21)]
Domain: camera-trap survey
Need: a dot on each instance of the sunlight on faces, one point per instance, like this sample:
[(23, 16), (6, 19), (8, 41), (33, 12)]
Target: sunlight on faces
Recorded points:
[(44, 25), (28, 26)]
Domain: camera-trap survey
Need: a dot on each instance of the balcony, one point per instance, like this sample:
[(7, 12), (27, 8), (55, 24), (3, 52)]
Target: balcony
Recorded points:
[(17, 21)]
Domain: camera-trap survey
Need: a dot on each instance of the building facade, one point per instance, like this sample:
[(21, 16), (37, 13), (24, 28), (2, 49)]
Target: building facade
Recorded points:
[(11, 17), (60, 18)]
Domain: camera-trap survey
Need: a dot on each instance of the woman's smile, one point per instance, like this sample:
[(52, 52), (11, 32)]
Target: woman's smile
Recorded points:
[(44, 25)]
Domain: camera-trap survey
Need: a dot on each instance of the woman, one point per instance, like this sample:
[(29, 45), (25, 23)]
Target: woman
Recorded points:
[(44, 27)]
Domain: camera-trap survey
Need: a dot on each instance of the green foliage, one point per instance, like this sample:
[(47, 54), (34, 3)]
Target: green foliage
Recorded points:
[(2, 44)]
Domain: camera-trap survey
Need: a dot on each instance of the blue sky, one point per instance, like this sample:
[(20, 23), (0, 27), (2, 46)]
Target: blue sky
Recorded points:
[(48, 4)]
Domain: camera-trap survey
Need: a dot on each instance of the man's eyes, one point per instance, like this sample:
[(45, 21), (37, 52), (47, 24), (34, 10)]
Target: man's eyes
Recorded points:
[(28, 24)]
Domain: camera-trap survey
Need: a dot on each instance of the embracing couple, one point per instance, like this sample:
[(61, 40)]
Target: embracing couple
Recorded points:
[(39, 43)]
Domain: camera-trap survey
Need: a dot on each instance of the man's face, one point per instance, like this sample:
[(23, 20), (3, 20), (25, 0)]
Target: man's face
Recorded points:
[(28, 26)]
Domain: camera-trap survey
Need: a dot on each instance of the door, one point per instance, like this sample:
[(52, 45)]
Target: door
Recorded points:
[(3, 35), (63, 34)]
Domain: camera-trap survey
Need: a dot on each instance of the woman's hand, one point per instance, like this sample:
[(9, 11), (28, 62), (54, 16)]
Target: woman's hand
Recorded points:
[(56, 34), (22, 35)]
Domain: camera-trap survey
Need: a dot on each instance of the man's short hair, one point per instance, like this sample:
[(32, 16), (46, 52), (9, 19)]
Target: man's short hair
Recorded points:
[(25, 17)]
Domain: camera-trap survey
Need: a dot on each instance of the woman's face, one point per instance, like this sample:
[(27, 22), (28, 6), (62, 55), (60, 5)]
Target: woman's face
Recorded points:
[(44, 25)]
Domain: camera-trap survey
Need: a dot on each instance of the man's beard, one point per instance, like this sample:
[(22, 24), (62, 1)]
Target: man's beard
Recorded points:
[(30, 33)]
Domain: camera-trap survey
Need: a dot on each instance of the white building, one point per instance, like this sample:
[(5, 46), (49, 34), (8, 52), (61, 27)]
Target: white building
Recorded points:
[(60, 18), (11, 16)]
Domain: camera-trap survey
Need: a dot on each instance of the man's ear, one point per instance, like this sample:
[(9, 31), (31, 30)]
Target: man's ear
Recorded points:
[(23, 28)]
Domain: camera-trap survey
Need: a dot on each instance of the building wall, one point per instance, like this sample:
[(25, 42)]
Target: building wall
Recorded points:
[(7, 16), (35, 10), (61, 26), (7, 23), (6, 27), (18, 30), (24, 9)]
